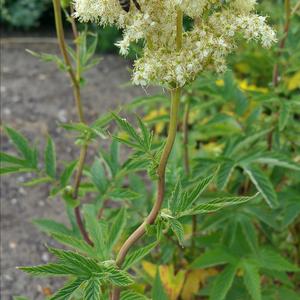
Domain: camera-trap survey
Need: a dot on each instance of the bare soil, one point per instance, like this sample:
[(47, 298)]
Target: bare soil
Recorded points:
[(35, 97)]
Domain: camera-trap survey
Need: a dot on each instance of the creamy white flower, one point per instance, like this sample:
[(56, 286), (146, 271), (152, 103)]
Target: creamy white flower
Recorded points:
[(218, 24)]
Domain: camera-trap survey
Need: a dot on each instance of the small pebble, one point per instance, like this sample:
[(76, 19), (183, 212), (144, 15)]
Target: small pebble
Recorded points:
[(7, 111), (39, 288), (3, 89), (15, 99), (22, 191), (14, 201), (8, 277), (12, 245), (42, 77), (45, 257), (62, 115), (21, 178), (41, 203), (5, 70)]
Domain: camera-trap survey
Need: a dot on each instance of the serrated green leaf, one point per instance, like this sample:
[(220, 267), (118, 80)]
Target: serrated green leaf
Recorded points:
[(96, 230), (117, 228), (277, 159), (123, 194), (11, 170), (137, 255), (126, 142), (249, 233), (123, 124), (98, 176), (223, 283), (111, 159), (232, 234), (103, 121), (284, 115), (211, 258), (145, 132), (86, 266), (73, 242), (173, 200), (50, 226), (290, 213), (114, 156), (67, 174), (78, 127), (252, 279), (158, 291), (248, 140), (119, 277), (178, 230), (50, 158), (286, 293), (175, 197), (264, 215), (279, 276), (263, 184), (92, 290), (66, 292), (37, 181), (131, 295), (224, 174), (21, 144), (50, 58), (213, 205), (199, 189), (185, 200), (50, 270), (270, 259), (7, 158)]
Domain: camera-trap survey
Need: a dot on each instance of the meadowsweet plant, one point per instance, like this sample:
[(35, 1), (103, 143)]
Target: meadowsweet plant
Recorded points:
[(133, 214), (173, 57)]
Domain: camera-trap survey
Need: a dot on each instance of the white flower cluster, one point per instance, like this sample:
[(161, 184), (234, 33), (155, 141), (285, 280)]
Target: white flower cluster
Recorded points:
[(218, 24)]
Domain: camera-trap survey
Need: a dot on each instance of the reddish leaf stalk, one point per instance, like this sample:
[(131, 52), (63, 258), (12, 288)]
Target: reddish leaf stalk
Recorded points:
[(150, 219)]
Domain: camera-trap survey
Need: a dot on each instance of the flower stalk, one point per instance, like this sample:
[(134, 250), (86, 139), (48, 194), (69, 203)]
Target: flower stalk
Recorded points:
[(161, 170), (150, 219), (75, 80), (185, 129)]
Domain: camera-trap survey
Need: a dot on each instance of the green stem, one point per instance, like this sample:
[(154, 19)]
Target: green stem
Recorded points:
[(179, 29), (63, 48), (185, 129), (77, 44), (74, 77), (150, 219), (175, 94)]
